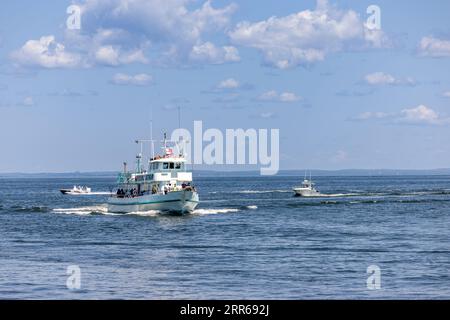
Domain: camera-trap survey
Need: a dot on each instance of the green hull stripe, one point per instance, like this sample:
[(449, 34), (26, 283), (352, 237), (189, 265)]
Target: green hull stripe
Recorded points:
[(141, 203)]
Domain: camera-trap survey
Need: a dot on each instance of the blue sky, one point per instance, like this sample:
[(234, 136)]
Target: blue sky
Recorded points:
[(342, 96)]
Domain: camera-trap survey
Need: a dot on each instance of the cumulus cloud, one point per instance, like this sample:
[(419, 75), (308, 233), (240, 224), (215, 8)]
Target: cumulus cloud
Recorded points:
[(307, 36), (382, 78), (113, 56), (141, 79), (209, 53), (116, 32), (229, 83), (434, 47), (417, 115), (422, 114), (274, 96), (168, 27), (47, 53)]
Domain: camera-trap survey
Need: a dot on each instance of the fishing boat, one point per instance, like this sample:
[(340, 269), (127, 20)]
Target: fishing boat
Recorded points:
[(166, 185), (307, 189), (76, 190)]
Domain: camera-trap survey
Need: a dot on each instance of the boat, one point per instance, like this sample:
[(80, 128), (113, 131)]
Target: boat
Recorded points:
[(166, 185), (76, 190), (307, 189)]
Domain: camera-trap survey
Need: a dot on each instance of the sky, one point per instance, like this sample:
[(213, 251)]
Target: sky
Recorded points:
[(342, 94)]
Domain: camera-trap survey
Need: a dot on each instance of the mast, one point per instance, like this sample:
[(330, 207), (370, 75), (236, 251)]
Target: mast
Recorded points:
[(152, 145), (139, 156)]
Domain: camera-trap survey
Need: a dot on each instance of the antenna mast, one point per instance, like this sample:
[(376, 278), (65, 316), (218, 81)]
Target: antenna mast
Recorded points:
[(152, 146)]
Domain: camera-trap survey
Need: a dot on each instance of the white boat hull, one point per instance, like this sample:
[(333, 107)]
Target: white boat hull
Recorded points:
[(304, 192), (172, 202)]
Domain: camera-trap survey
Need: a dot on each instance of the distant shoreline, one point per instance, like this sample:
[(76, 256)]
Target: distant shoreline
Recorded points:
[(252, 173)]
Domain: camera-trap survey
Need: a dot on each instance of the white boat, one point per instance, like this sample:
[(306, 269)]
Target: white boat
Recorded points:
[(76, 190), (165, 186), (307, 189)]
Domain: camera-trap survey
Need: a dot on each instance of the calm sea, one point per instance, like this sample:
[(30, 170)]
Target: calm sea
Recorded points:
[(250, 238)]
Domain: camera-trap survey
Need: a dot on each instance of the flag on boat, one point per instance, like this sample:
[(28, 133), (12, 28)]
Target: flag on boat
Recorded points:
[(169, 151)]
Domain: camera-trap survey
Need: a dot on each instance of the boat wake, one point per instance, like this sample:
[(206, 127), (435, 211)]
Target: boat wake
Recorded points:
[(260, 191), (203, 212), (82, 211), (334, 195), (100, 193), (103, 210)]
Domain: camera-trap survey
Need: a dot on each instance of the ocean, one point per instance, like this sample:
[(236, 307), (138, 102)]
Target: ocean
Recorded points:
[(250, 238)]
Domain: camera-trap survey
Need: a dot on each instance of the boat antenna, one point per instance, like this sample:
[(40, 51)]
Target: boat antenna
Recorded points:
[(152, 146), (179, 117), (165, 140), (139, 156)]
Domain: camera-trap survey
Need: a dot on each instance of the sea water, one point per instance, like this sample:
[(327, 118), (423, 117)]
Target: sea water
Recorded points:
[(249, 238)]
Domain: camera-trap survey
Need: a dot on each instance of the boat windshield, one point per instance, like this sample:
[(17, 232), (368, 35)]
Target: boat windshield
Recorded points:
[(167, 166)]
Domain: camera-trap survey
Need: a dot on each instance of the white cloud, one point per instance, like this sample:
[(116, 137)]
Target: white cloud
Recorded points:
[(446, 94), (421, 114), (417, 115), (229, 83), (118, 32), (307, 36), (46, 53), (28, 102), (382, 78), (434, 47), (141, 79), (274, 96), (289, 97), (372, 115), (379, 78), (208, 53), (174, 30), (267, 115), (113, 56)]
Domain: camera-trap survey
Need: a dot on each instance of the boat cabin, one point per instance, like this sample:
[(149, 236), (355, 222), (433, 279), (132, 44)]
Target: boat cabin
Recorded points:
[(165, 174)]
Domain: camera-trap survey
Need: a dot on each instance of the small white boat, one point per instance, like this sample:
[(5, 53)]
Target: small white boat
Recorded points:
[(307, 189), (76, 190), (166, 186)]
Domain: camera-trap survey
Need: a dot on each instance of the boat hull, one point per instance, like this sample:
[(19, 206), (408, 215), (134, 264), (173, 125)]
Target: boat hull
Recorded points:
[(303, 192), (180, 202)]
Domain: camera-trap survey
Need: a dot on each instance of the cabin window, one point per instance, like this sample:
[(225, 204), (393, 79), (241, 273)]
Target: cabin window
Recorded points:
[(165, 165), (171, 164), (178, 165)]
